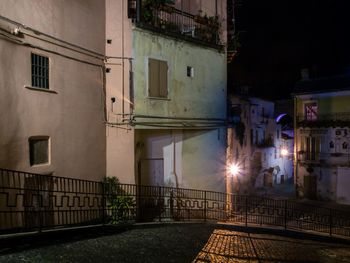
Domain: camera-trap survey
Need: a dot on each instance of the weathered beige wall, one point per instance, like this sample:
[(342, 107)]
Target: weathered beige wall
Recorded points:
[(203, 96), (204, 160), (120, 138), (72, 117), (190, 158)]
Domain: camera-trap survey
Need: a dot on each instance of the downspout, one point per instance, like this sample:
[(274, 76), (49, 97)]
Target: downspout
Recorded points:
[(174, 161)]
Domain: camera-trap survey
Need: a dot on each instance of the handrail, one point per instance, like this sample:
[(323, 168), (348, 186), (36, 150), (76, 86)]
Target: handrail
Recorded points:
[(32, 201)]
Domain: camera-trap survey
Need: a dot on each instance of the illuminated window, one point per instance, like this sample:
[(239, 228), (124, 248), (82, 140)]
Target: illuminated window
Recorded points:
[(40, 71), (157, 78), (38, 150), (311, 111)]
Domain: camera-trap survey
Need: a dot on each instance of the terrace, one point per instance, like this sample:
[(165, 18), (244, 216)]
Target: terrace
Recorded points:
[(166, 19)]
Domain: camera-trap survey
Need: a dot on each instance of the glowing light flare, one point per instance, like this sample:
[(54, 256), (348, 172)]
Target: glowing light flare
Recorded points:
[(284, 152), (234, 169)]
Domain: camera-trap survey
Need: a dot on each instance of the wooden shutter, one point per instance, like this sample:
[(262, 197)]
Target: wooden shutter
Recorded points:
[(153, 78), (157, 78), (163, 79)]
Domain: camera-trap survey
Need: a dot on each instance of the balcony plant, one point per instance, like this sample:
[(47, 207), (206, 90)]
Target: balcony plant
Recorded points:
[(150, 5)]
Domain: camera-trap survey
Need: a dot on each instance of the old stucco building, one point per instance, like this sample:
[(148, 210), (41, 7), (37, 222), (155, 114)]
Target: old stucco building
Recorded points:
[(257, 146), (166, 91), (117, 88), (322, 140), (51, 85)]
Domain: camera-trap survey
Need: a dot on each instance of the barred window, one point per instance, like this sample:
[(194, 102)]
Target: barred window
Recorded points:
[(40, 71), (38, 150)]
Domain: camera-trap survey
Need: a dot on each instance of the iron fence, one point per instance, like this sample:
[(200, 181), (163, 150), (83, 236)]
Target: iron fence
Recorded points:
[(33, 202)]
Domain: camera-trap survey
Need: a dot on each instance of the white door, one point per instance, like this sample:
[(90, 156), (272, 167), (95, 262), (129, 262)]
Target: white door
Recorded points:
[(152, 172)]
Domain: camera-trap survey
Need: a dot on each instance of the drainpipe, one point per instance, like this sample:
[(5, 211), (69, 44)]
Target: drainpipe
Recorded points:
[(173, 173)]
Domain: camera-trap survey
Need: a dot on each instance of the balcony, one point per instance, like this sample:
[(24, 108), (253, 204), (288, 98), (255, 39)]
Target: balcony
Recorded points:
[(340, 119), (324, 158), (167, 20)]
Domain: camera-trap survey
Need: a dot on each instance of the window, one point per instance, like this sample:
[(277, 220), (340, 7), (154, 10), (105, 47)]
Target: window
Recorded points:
[(312, 147), (40, 71), (311, 111), (157, 78), (190, 71), (38, 150)]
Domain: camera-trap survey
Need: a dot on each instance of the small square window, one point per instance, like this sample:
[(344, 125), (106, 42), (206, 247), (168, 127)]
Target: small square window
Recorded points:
[(190, 71), (38, 150), (40, 71)]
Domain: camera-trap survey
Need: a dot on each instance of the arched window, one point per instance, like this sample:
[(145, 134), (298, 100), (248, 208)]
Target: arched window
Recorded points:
[(331, 145)]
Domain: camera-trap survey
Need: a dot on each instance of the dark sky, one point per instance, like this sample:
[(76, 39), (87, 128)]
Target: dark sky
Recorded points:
[(280, 37)]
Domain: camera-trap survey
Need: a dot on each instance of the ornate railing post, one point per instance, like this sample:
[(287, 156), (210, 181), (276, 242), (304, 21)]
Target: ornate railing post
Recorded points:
[(171, 204), (330, 221), (205, 205), (246, 210), (103, 199), (160, 203), (285, 214)]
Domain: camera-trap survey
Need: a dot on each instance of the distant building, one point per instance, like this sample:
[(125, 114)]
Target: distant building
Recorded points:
[(322, 138), (255, 143)]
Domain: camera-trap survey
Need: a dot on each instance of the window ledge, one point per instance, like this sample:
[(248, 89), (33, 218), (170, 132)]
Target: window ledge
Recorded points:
[(40, 165), (157, 98), (41, 89)]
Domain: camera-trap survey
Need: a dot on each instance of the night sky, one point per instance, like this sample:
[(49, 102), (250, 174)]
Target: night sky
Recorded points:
[(278, 38)]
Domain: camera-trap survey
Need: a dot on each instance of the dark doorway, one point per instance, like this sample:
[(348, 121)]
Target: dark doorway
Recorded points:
[(310, 186)]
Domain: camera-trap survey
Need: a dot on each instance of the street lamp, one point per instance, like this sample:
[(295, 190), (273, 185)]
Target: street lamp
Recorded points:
[(234, 169), (284, 152)]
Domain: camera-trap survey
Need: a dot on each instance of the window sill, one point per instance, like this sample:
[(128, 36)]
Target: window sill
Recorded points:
[(157, 98), (41, 89), (40, 165)]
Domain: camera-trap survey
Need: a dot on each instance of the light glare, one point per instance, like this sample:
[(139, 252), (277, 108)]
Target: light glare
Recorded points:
[(284, 152), (234, 169)]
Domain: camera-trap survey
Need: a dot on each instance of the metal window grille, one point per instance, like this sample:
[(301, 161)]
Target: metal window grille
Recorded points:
[(40, 71)]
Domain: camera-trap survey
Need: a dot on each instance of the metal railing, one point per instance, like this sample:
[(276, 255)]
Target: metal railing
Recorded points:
[(325, 158), (33, 202), (329, 118), (168, 20)]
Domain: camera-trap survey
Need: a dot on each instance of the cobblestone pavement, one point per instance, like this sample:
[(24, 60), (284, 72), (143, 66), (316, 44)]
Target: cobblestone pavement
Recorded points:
[(177, 243), (232, 246)]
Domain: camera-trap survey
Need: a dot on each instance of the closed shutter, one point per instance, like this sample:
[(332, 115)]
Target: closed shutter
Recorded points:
[(153, 78), (157, 78), (163, 79)]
